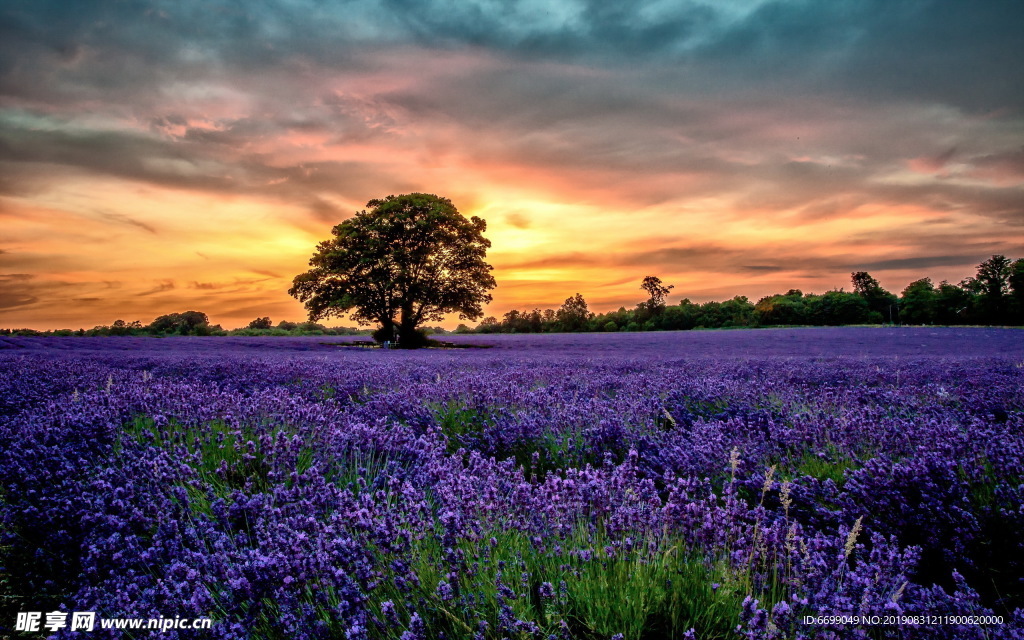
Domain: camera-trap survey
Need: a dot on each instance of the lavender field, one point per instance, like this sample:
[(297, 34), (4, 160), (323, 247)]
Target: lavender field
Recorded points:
[(720, 484)]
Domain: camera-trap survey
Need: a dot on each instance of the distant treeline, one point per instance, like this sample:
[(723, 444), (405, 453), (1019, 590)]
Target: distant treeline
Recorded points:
[(197, 323), (994, 296)]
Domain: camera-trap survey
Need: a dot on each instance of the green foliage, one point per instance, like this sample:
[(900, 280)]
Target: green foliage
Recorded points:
[(1016, 281), (574, 314), (188, 323), (224, 458), (992, 283), (869, 303), (828, 463), (656, 292), (300, 329), (652, 586), (457, 420), (260, 323), (919, 302), (406, 260), (883, 305), (551, 450)]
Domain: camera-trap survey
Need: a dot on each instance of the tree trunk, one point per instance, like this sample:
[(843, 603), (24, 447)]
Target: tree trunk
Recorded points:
[(408, 336), (387, 332)]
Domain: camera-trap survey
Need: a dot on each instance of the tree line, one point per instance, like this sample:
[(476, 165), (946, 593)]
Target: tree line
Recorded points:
[(196, 323), (993, 296)]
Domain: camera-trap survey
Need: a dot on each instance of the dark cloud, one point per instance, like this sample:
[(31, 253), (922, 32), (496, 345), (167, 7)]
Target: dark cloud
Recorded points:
[(13, 299), (166, 285), (238, 284), (923, 262), (18, 290), (127, 220), (139, 156), (575, 259), (590, 119), (954, 51)]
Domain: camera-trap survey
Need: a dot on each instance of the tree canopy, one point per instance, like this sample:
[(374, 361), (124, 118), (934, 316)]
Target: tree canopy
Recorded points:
[(404, 260), (656, 290)]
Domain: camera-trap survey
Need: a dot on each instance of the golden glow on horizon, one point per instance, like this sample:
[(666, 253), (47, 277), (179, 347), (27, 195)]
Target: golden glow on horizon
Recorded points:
[(135, 252)]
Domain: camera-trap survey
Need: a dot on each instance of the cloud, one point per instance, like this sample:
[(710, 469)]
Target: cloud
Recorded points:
[(166, 285), (761, 140), (919, 263), (127, 220), (1004, 167), (17, 290), (238, 284), (13, 299), (562, 260), (518, 220)]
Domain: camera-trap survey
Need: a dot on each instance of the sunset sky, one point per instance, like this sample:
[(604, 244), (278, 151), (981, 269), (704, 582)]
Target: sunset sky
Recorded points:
[(162, 156)]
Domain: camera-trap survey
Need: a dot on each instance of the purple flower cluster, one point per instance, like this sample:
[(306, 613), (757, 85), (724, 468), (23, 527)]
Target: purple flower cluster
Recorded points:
[(290, 489)]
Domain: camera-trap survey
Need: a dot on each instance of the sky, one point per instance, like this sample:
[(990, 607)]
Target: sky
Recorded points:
[(164, 156)]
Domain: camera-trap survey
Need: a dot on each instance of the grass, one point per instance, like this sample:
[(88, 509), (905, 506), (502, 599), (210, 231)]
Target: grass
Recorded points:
[(828, 464), (227, 458), (551, 450), (651, 587)]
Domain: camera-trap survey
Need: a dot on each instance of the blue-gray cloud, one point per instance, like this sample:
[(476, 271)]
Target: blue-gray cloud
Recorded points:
[(950, 51)]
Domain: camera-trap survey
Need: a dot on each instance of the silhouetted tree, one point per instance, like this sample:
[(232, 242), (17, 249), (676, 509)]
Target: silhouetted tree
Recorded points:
[(656, 292), (405, 260), (1017, 291), (836, 308), (188, 323), (992, 284), (573, 314), (952, 304), (919, 302), (490, 324), (261, 323), (790, 308), (883, 304)]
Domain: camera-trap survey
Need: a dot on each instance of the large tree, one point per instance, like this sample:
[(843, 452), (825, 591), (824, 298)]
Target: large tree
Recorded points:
[(993, 285), (918, 302), (657, 292), (574, 314), (1017, 290), (403, 261), (881, 302)]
